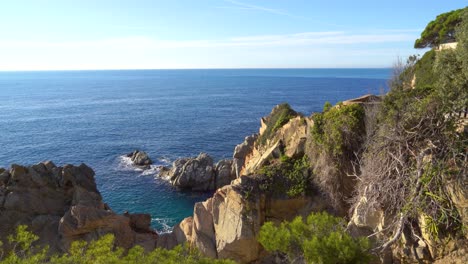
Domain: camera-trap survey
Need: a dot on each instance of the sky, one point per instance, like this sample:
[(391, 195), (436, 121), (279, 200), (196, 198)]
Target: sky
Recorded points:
[(181, 34)]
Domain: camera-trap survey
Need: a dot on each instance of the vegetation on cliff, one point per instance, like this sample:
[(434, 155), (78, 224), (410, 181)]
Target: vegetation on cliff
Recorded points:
[(280, 115), (290, 176), (406, 163), (417, 149), (339, 130), (321, 238), (337, 137)]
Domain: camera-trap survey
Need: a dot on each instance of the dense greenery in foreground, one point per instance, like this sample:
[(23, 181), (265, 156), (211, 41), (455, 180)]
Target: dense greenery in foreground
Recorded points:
[(321, 238), (100, 251)]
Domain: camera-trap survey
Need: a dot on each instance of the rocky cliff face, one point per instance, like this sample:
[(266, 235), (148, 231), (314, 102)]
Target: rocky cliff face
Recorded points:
[(62, 204), (227, 225), (289, 139)]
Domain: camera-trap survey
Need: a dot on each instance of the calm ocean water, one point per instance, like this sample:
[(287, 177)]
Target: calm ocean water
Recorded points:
[(97, 116)]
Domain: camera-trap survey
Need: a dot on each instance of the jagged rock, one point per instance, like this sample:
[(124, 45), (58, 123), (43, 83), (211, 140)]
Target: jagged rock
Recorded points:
[(365, 220), (183, 230), (164, 172), (225, 173), (203, 234), (140, 159), (199, 173), (4, 176), (237, 221), (141, 222), (241, 151), (227, 225), (167, 241), (62, 204), (196, 174), (290, 139)]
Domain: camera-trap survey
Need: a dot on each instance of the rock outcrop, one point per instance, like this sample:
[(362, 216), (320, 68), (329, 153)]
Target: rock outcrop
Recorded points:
[(140, 159), (199, 173), (62, 204), (241, 151), (227, 225), (289, 139)]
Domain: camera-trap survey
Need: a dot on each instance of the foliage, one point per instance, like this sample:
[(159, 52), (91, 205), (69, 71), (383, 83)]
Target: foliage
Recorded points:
[(417, 148), (290, 176), (339, 128), (322, 238), (441, 30), (280, 115), (100, 251), (424, 70)]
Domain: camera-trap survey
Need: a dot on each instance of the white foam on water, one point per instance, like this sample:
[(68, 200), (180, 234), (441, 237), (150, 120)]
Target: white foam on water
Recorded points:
[(164, 223), (153, 170), (125, 164)]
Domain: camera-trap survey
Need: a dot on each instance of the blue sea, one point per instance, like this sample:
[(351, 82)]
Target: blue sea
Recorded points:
[(96, 117)]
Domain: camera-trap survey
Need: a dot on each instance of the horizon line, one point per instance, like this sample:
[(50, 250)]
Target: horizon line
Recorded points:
[(171, 69)]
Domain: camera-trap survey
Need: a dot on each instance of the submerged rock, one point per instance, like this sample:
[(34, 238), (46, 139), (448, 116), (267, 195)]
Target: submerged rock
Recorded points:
[(140, 159)]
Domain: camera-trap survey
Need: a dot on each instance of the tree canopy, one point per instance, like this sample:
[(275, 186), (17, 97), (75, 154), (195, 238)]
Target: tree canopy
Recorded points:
[(441, 30)]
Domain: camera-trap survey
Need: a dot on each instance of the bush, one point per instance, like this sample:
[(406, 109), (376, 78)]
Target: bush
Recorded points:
[(290, 176), (322, 238), (100, 251), (339, 128)]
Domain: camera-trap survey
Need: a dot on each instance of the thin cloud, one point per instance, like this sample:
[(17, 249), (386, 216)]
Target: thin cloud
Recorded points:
[(305, 39), (242, 5)]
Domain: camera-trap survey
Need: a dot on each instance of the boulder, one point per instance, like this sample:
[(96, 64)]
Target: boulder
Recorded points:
[(199, 173), (141, 222), (140, 159), (183, 230), (196, 174), (225, 173)]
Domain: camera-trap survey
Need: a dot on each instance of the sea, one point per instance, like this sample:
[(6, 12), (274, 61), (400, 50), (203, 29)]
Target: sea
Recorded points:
[(96, 117)]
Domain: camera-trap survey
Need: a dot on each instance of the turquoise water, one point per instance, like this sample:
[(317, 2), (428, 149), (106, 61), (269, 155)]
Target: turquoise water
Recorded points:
[(95, 117)]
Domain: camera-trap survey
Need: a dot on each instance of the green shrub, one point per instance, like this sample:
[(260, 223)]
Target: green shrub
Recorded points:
[(322, 238), (288, 177), (339, 128), (101, 251), (424, 70)]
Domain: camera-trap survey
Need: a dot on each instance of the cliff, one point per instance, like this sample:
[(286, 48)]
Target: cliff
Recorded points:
[(295, 165), (62, 204)]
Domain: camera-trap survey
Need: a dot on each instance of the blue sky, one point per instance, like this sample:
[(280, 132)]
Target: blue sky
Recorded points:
[(144, 34)]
